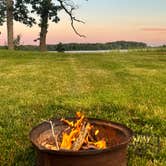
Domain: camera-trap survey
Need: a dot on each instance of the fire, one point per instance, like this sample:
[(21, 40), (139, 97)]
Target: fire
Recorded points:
[(68, 139), (96, 132), (100, 144), (80, 135)]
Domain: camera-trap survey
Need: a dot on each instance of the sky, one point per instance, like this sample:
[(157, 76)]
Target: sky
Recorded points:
[(105, 21)]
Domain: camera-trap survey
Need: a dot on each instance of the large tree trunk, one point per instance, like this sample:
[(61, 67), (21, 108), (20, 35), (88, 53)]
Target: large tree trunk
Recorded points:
[(44, 24), (44, 30), (43, 35), (10, 33)]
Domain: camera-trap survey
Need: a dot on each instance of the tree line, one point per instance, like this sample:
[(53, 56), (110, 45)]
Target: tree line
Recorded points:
[(60, 47), (25, 11), (97, 46)]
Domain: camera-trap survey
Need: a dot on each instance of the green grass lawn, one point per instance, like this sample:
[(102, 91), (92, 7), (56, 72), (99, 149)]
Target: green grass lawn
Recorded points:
[(129, 88)]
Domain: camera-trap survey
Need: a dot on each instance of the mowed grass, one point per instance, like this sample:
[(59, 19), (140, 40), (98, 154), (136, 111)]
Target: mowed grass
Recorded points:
[(129, 88)]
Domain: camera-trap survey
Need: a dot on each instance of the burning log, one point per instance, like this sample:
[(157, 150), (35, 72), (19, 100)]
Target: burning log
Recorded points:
[(81, 138)]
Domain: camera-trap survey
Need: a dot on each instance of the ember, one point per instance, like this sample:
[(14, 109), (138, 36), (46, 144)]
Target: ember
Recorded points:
[(78, 135)]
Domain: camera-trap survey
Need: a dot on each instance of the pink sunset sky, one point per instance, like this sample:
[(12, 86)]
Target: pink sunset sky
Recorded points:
[(106, 21)]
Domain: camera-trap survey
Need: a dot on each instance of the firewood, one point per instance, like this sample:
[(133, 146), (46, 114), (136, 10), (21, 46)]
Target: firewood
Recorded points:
[(55, 136), (82, 135)]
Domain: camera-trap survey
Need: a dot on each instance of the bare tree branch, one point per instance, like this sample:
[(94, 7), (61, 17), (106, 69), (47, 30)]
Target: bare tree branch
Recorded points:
[(65, 6)]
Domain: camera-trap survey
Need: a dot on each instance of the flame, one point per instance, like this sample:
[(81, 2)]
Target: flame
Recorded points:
[(68, 139), (100, 144), (79, 114), (66, 142), (96, 132), (67, 122)]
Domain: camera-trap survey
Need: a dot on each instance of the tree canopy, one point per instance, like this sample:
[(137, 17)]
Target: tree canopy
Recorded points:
[(20, 12), (2, 11)]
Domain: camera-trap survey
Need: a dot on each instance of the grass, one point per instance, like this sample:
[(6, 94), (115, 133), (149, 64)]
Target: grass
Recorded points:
[(129, 88)]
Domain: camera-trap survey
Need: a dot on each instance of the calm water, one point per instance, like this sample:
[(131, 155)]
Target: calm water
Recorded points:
[(92, 51)]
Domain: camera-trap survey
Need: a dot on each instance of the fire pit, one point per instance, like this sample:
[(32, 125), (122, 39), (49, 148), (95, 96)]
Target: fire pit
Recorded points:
[(116, 137)]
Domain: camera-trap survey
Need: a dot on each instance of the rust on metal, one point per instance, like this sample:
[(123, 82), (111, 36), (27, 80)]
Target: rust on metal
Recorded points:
[(117, 137)]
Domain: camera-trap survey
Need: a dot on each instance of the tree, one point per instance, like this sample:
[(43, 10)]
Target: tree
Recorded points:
[(48, 10), (17, 41), (14, 10), (45, 9), (9, 11), (60, 47)]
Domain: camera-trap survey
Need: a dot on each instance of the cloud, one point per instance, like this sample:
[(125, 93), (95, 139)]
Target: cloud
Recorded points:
[(154, 29)]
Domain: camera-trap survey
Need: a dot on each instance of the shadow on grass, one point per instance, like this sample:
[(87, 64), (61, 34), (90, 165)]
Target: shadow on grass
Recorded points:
[(25, 157)]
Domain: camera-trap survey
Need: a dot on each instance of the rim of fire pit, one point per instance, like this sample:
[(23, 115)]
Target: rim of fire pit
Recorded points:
[(125, 130)]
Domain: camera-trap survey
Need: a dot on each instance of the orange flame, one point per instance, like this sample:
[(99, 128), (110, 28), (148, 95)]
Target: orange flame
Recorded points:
[(100, 144), (69, 139)]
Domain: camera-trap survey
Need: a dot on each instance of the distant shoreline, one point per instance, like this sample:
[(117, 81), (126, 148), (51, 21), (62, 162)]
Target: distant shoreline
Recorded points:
[(93, 51)]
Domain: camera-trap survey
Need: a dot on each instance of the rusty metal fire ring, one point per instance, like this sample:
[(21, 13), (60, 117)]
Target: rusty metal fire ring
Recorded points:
[(112, 130)]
